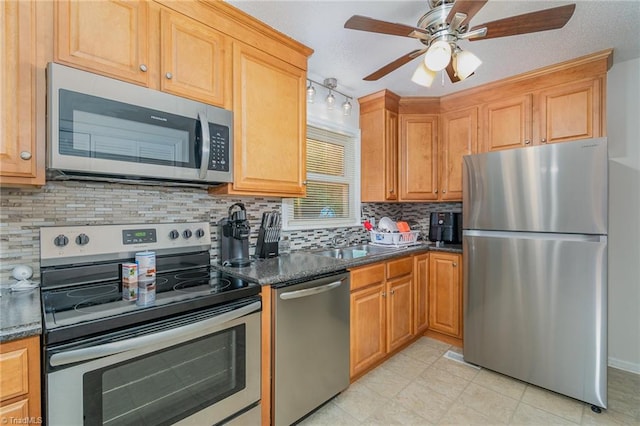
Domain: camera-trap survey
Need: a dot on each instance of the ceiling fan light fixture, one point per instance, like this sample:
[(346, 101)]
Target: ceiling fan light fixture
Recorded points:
[(423, 75), (438, 56), (465, 63)]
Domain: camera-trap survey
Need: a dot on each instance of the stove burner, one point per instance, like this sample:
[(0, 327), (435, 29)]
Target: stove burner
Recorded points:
[(195, 285), (192, 275), (92, 292)]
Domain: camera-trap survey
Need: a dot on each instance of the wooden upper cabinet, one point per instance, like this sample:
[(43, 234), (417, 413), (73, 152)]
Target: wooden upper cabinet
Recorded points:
[(459, 138), (107, 37), (195, 59), (23, 53), (418, 157), (269, 104), (570, 111), (379, 146), (507, 123)]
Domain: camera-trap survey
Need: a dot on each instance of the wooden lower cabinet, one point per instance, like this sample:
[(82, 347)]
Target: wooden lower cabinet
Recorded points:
[(445, 293), (20, 381), (381, 312), (420, 293)]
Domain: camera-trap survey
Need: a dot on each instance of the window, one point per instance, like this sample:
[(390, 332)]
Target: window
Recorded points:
[(333, 191)]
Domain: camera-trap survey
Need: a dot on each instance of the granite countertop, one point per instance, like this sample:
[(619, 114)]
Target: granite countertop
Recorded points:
[(304, 264), (19, 314)]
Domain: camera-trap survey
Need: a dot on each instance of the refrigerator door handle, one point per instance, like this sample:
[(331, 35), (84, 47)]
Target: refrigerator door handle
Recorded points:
[(535, 235)]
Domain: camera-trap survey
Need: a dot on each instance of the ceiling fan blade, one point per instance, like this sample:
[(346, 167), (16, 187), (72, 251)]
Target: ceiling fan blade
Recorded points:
[(542, 20), (468, 7), (362, 23), (392, 66)]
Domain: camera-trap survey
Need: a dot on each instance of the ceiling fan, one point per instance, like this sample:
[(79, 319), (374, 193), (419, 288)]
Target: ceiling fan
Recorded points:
[(446, 23)]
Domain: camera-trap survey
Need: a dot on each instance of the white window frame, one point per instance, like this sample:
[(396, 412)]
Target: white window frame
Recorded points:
[(291, 224)]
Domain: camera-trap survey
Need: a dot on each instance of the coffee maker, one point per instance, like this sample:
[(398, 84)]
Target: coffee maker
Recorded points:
[(233, 234), (445, 227)]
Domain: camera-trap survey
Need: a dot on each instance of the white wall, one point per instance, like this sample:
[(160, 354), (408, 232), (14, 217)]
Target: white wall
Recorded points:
[(623, 130)]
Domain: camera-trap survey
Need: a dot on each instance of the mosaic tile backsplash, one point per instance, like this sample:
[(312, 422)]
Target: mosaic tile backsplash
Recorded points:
[(24, 211)]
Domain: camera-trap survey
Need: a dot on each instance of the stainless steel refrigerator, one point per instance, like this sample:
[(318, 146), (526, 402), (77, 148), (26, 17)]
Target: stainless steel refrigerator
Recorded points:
[(535, 265)]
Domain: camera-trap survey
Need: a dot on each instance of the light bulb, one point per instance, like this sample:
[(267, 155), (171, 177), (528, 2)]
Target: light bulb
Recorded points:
[(331, 100), (465, 63), (346, 107), (311, 93), (423, 75), (438, 56)]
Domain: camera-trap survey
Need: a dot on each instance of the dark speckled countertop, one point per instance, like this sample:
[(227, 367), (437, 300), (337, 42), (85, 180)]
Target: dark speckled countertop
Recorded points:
[(304, 264), (19, 314)]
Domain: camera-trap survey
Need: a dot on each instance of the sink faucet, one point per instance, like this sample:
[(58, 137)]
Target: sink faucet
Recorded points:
[(338, 241)]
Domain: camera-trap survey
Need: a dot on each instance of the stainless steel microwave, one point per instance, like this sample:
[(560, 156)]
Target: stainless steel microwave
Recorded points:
[(99, 128)]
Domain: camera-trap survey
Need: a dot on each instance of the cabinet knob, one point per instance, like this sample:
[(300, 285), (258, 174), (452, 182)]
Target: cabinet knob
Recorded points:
[(444, 191), (527, 142), (393, 292), (391, 191), (384, 294), (543, 140), (435, 192), (304, 182), (25, 155), (169, 75), (455, 264), (143, 68)]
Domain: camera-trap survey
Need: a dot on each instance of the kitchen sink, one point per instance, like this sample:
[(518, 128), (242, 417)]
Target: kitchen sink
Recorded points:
[(353, 252)]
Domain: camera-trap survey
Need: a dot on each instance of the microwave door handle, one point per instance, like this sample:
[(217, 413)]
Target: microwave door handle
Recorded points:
[(167, 337), (206, 143)]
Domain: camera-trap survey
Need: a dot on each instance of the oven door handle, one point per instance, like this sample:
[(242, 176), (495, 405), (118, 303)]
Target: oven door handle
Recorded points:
[(167, 337), (206, 142)]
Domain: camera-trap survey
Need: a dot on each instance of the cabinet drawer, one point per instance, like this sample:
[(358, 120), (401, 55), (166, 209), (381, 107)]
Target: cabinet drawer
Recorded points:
[(400, 267), (367, 275)]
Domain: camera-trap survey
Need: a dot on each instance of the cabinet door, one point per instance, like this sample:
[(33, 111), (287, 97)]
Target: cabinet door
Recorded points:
[(20, 379), (459, 138), (507, 124), (195, 59), (399, 312), (570, 111), (269, 98), (106, 37), (418, 157), (420, 293), (391, 164), (368, 339), (445, 295), (21, 148)]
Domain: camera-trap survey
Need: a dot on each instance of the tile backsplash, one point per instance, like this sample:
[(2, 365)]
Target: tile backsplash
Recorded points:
[(24, 210)]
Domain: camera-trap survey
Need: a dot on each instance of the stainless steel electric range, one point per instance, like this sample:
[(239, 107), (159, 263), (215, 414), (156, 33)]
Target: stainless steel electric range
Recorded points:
[(191, 356)]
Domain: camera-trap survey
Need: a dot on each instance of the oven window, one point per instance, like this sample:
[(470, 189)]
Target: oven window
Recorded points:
[(165, 386)]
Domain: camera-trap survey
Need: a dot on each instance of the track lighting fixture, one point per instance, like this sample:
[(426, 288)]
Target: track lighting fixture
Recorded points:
[(330, 100)]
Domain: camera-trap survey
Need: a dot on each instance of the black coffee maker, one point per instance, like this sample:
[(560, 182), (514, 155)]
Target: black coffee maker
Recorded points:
[(233, 234), (445, 227)]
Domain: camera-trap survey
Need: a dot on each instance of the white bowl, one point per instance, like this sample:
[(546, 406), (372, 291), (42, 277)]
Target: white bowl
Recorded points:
[(387, 225)]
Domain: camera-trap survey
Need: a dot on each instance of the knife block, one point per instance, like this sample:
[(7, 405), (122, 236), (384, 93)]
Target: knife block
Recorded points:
[(267, 246)]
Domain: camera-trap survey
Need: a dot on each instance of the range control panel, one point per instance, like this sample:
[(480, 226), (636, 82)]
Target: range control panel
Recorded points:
[(61, 245)]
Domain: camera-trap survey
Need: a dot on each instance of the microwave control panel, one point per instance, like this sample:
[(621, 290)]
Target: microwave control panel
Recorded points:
[(219, 148)]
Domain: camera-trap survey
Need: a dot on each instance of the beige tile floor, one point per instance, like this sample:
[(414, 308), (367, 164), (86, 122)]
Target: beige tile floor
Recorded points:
[(419, 386)]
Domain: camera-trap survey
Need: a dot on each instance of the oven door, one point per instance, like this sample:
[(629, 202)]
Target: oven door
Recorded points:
[(200, 368)]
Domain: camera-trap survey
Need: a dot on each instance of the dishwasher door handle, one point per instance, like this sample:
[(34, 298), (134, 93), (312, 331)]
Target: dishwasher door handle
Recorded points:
[(311, 291)]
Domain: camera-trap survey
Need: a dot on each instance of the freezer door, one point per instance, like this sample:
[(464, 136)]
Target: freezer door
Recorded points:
[(535, 308), (550, 188)]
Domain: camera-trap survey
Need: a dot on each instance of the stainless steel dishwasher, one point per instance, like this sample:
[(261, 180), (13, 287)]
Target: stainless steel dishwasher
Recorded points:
[(311, 345)]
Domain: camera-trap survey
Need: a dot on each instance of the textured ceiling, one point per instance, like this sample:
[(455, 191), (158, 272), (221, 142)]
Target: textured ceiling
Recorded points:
[(349, 55)]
